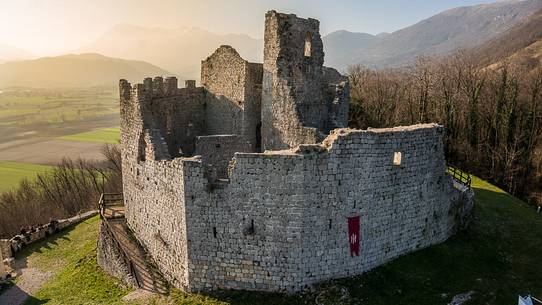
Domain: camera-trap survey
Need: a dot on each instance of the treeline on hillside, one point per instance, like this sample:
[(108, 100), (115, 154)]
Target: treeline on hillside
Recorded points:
[(70, 188), (492, 117)]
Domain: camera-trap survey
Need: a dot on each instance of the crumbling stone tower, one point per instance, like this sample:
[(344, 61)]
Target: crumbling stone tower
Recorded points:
[(233, 95), (251, 181), (301, 100)]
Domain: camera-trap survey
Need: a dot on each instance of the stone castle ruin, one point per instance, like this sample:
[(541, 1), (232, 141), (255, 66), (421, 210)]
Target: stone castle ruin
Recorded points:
[(252, 180)]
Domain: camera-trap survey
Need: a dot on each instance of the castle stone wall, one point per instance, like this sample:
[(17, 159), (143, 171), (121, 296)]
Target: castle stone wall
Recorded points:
[(402, 207), (219, 150), (279, 220), (180, 117), (338, 93), (280, 223), (242, 234), (233, 94), (152, 184), (172, 116), (223, 75), (155, 212), (253, 96), (231, 218), (110, 258)]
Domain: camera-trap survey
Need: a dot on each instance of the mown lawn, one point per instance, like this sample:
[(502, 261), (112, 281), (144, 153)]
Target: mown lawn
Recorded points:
[(11, 173), (496, 259), (105, 135)]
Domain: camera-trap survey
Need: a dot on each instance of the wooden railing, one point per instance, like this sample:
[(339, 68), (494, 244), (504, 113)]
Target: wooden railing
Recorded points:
[(109, 199), (459, 175)]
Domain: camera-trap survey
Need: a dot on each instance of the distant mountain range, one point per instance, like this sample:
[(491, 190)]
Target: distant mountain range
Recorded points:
[(463, 27), (83, 70), (179, 50), (8, 53), (520, 45), (341, 44)]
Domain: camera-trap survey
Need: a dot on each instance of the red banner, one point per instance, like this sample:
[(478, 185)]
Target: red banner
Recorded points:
[(353, 235)]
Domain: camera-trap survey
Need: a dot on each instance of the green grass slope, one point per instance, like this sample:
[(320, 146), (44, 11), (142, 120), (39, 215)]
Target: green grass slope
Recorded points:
[(49, 112), (11, 173), (105, 135), (497, 258)]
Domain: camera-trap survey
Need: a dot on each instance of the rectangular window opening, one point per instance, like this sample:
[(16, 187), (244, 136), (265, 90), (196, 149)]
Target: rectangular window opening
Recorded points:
[(397, 158)]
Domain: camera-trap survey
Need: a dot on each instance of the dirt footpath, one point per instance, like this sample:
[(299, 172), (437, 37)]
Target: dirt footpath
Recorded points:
[(29, 280)]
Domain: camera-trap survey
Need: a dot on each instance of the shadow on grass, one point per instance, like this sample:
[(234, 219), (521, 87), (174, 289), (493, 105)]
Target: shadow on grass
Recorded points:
[(34, 301), (246, 297), (48, 242), (5, 286), (14, 295)]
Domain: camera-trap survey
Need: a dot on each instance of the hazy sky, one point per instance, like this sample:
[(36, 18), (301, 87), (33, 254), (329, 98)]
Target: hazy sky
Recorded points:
[(47, 27)]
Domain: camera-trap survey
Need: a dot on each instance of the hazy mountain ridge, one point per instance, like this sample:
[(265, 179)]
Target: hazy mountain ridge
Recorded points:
[(341, 43), (8, 53), (462, 27), (72, 70), (179, 50)]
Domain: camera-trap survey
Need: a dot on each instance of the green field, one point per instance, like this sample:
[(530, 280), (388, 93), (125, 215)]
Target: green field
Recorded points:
[(25, 107), (11, 173), (106, 135), (496, 259)]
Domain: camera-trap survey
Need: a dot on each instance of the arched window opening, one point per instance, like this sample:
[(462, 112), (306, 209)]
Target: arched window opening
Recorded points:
[(308, 46)]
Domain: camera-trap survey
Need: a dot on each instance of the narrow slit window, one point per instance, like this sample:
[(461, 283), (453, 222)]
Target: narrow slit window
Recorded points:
[(308, 45), (214, 232), (397, 158)]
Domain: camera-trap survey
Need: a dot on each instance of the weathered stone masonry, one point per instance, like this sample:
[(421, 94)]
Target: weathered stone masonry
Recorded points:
[(215, 212)]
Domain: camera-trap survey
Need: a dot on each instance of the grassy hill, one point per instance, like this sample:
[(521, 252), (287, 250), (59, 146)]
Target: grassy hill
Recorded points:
[(496, 259), (12, 172)]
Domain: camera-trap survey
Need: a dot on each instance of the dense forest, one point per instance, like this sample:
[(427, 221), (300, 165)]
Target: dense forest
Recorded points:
[(492, 114)]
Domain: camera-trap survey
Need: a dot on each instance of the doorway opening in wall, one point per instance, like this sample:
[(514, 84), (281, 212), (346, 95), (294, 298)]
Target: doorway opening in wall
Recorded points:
[(258, 137)]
